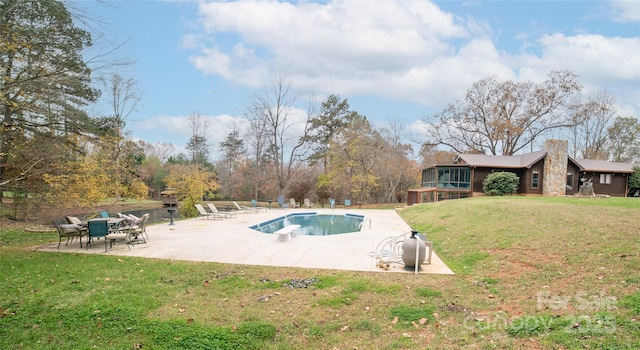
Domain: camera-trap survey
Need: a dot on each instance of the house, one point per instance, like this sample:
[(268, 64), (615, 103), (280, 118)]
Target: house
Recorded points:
[(547, 172)]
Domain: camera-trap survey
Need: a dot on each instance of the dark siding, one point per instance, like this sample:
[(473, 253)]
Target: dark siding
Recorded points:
[(539, 167), (617, 188), (572, 168), (481, 173)]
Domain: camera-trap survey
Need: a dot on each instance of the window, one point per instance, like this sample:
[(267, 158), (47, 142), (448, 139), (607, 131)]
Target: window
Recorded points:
[(605, 179), (454, 177), (429, 177), (570, 181), (535, 179)]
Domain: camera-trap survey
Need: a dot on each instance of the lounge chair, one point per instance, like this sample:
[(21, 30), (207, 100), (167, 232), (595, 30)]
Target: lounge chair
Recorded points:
[(347, 203), (293, 202), (205, 214), (245, 208), (332, 203), (307, 203), (227, 214)]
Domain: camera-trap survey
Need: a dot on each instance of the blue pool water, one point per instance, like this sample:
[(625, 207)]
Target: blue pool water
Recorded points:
[(312, 224)]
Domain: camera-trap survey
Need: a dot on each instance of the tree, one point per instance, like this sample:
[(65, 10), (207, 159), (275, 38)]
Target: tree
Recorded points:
[(634, 179), (399, 172), (198, 142), (355, 155), (257, 141), (333, 117), (591, 119), (123, 155), (500, 183), (233, 159), (430, 155), (504, 117), (623, 140), (190, 183), (272, 111), (44, 81)]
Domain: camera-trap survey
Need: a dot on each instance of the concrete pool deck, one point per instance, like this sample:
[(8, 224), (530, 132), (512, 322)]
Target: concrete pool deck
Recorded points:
[(232, 241)]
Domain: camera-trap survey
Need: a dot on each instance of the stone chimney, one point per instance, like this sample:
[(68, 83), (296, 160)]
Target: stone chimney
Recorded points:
[(554, 181)]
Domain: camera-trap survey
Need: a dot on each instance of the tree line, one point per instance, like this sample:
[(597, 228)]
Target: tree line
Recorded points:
[(53, 150)]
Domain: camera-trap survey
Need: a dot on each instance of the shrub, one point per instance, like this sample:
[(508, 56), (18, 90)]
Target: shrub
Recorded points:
[(500, 183)]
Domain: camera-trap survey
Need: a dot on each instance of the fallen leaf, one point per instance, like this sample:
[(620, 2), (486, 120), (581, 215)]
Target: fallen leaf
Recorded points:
[(107, 279), (344, 328), (422, 320), (395, 320), (206, 283), (407, 335)]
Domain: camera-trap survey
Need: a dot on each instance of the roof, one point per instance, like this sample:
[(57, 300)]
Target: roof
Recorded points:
[(491, 161), (603, 166)]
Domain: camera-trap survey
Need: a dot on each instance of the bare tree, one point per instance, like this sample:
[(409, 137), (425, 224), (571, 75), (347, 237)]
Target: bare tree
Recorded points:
[(198, 142), (400, 172), (504, 117), (231, 163), (592, 118), (272, 112), (257, 143)]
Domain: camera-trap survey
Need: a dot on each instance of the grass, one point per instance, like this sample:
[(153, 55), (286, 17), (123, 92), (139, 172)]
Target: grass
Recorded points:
[(531, 272)]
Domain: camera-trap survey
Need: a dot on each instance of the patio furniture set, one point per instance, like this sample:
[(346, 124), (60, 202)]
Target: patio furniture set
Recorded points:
[(126, 228)]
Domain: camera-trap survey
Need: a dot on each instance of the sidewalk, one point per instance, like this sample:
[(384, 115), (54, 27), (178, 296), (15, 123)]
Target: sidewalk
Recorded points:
[(232, 241)]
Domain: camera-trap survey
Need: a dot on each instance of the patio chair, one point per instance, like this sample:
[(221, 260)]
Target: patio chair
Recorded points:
[(281, 203), (125, 233), (69, 231), (347, 203), (254, 204), (104, 214), (205, 214), (332, 203), (227, 214), (100, 229), (139, 231), (82, 225), (307, 203), (293, 202)]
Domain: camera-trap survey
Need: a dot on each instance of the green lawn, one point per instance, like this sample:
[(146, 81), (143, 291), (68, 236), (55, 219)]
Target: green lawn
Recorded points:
[(531, 272)]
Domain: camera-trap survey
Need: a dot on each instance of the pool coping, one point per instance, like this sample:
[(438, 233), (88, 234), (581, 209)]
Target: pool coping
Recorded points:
[(232, 241)]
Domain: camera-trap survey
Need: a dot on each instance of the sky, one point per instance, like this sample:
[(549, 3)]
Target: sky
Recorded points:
[(397, 61)]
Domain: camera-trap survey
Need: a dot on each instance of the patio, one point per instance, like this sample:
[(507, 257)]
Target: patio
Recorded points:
[(232, 241)]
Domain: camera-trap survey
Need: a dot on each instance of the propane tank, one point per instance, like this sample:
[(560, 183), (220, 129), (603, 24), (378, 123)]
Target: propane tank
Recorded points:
[(409, 250)]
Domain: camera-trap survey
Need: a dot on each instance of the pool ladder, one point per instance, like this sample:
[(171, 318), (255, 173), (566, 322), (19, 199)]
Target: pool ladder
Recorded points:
[(390, 249), (362, 223)]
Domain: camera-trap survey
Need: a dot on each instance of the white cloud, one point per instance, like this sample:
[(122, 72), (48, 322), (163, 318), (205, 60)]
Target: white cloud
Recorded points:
[(398, 50), (625, 10), (602, 63), (338, 47)]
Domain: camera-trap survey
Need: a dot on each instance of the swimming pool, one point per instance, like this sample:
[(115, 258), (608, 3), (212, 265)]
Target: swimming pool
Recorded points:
[(312, 224)]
